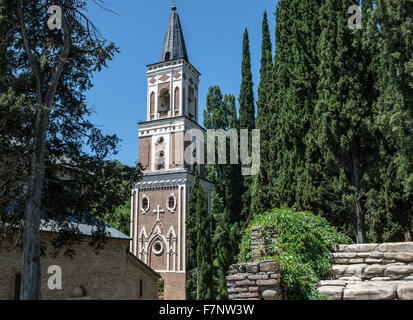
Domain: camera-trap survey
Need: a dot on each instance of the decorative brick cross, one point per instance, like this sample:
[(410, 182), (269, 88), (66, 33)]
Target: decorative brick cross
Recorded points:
[(158, 211)]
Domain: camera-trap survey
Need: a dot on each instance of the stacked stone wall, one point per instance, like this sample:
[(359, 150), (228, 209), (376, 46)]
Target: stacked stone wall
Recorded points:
[(256, 280), (370, 272)]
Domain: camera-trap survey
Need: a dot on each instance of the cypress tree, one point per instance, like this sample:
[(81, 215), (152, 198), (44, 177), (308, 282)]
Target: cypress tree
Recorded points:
[(246, 117), (221, 113), (343, 116), (390, 218), (199, 283), (205, 288), (261, 198), (295, 180)]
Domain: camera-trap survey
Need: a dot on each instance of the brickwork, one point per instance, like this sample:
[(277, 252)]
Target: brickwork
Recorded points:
[(111, 274), (174, 285)]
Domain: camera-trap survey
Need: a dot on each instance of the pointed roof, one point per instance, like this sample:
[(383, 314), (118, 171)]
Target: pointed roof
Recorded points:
[(174, 43)]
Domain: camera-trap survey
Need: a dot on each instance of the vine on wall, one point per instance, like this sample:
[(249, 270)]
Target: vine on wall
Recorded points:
[(303, 248)]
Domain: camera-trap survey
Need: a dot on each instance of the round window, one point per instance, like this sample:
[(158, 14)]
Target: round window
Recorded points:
[(157, 247), (171, 202), (145, 204)]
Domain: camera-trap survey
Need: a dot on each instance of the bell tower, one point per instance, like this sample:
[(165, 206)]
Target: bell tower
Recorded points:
[(160, 200)]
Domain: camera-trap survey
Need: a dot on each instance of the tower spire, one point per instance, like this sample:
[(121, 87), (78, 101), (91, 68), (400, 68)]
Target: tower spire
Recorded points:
[(174, 43)]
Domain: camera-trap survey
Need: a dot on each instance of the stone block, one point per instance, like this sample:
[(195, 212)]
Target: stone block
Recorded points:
[(343, 255), (249, 295), (270, 282), (399, 256), (396, 247), (334, 283), (375, 255), (405, 291), (245, 283), (268, 266), (356, 261), (375, 270), (253, 289), (381, 279), (372, 260), (272, 295), (235, 277), (399, 270), (369, 292), (341, 261), (362, 247), (257, 276), (331, 292), (252, 268)]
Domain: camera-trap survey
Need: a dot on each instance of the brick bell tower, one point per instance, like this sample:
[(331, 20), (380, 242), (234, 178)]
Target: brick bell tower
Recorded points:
[(160, 200)]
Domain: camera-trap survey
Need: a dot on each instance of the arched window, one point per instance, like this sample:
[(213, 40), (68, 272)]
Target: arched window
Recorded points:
[(183, 100), (176, 106), (79, 292), (152, 105), (167, 56), (140, 288), (17, 283), (164, 101), (191, 102)]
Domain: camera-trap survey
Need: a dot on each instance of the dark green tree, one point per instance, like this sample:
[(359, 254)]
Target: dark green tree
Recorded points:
[(61, 169), (344, 115), (261, 197), (390, 216), (246, 117), (220, 114), (200, 245), (296, 60)]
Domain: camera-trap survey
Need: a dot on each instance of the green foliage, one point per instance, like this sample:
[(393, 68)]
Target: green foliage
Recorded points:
[(246, 118), (200, 246), (221, 113), (119, 218), (160, 286), (302, 248), (261, 197), (191, 284), (78, 180)]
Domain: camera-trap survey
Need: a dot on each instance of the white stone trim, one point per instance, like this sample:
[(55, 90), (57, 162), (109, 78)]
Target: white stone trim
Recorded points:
[(136, 215)]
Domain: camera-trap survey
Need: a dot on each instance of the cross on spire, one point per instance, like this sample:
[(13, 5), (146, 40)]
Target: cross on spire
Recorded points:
[(158, 211)]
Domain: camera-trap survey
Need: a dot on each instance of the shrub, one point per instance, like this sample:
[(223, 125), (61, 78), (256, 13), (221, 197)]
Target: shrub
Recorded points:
[(303, 248)]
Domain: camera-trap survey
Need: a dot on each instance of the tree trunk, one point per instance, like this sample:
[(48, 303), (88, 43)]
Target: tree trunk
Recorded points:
[(31, 275), (358, 210)]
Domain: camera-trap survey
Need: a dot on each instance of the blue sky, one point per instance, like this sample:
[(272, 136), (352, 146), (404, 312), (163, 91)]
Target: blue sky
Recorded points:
[(213, 34)]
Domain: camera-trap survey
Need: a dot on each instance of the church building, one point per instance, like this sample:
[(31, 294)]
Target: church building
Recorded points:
[(159, 204)]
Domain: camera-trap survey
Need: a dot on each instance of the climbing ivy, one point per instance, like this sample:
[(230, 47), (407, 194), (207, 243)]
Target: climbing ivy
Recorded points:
[(303, 248)]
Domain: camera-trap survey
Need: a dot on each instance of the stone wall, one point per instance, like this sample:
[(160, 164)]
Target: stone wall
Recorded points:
[(370, 272), (256, 280), (359, 272)]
